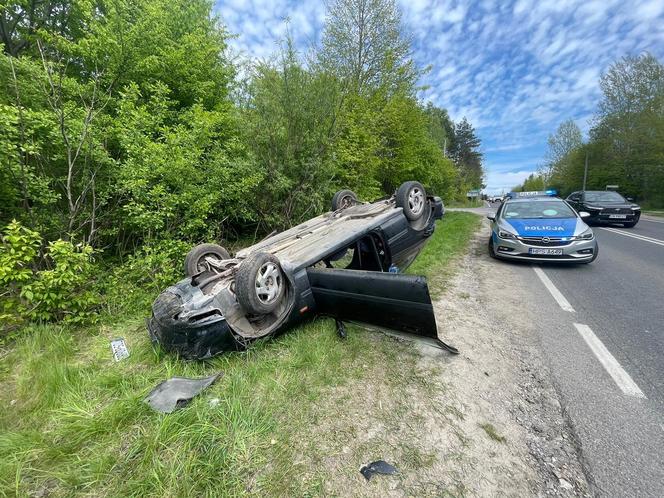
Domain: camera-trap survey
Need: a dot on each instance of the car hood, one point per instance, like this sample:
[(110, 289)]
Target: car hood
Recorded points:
[(621, 205), (535, 227)]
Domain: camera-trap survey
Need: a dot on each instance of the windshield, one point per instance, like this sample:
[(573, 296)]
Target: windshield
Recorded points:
[(537, 210), (604, 197)]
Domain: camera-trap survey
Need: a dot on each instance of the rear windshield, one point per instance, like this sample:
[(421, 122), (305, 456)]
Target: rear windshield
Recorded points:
[(604, 197), (537, 210)]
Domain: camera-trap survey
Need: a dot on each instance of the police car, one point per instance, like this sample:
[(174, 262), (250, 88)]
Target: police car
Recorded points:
[(538, 226)]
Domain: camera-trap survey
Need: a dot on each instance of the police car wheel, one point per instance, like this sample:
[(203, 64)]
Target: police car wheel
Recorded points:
[(491, 251)]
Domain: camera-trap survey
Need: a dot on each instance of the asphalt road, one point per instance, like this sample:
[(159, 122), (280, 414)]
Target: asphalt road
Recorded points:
[(603, 336)]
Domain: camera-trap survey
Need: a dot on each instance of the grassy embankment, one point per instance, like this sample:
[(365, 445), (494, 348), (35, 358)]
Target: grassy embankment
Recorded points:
[(466, 203), (73, 421)]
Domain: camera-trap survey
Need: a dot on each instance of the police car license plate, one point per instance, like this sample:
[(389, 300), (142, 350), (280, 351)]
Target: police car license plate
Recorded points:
[(545, 252), (618, 216)]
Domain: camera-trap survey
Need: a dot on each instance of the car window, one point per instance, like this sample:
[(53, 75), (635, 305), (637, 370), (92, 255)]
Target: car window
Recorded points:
[(607, 196), (537, 210)]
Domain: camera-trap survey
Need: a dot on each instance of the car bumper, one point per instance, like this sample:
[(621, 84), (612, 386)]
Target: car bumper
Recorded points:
[(576, 251), (191, 339), (605, 218)]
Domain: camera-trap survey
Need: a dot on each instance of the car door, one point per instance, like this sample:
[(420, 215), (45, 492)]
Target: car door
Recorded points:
[(392, 300)]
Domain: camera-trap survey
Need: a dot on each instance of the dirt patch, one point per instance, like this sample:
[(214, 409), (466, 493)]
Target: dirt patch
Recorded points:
[(484, 423), (518, 441)]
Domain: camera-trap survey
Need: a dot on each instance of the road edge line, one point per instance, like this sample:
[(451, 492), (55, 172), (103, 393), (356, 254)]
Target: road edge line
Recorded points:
[(609, 362), (553, 290), (635, 236)]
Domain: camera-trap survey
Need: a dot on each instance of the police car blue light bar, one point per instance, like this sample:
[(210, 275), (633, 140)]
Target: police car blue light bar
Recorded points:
[(533, 193)]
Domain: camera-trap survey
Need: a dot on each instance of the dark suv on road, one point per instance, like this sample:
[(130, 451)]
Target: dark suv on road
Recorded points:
[(605, 207)]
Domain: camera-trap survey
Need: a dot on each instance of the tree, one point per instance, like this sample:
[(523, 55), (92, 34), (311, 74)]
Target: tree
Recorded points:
[(629, 127), (466, 154), (441, 127), (560, 144), (363, 44), (21, 20)]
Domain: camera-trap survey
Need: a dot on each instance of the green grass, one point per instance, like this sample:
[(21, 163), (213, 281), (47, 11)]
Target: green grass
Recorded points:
[(492, 432), (466, 203), (654, 213), (448, 243), (73, 422)]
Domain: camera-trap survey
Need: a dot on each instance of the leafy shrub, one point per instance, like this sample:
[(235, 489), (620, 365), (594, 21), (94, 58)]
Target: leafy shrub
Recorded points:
[(55, 286), (134, 284)]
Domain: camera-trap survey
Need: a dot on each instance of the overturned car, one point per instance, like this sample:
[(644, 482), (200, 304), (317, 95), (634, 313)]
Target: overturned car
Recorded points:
[(343, 264)]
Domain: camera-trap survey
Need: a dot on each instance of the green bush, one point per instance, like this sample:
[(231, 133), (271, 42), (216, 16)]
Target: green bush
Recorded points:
[(135, 283), (55, 285)]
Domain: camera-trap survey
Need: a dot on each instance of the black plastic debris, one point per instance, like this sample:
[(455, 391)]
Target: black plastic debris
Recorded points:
[(176, 392), (341, 329), (377, 467)]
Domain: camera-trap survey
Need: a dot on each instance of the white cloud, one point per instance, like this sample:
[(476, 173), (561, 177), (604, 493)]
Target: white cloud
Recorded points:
[(516, 69)]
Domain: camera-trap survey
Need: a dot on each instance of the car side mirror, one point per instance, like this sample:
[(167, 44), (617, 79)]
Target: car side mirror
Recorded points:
[(630, 199), (491, 217), (584, 214)]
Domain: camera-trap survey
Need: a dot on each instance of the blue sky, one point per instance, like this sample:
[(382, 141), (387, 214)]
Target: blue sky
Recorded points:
[(516, 70)]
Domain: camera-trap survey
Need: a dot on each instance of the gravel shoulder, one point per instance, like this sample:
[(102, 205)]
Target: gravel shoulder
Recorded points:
[(484, 423), (501, 379)]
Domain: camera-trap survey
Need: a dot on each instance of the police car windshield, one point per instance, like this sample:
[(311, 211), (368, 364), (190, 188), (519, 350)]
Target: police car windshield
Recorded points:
[(537, 210), (604, 197)]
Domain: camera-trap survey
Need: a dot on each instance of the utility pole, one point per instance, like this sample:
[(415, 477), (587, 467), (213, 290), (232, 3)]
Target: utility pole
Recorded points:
[(585, 172)]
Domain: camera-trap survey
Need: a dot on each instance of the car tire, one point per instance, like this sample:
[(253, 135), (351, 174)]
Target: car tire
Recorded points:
[(260, 283), (412, 197), (343, 199), (194, 262), (492, 253)]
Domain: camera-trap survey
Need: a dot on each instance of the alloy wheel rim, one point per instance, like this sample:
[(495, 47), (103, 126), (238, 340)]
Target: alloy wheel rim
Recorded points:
[(268, 282), (416, 200)]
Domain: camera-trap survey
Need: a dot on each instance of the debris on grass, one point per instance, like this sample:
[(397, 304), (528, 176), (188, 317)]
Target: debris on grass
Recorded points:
[(119, 349), (377, 467), (176, 392)]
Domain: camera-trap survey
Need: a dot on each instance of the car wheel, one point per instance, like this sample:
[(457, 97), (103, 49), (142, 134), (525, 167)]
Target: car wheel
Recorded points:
[(491, 251), (194, 262), (260, 283), (343, 199), (412, 197)]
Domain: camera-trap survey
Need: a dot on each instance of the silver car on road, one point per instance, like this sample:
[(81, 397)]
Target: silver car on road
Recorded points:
[(541, 228)]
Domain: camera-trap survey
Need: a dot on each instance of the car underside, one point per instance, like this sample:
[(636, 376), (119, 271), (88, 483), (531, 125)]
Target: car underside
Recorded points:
[(344, 264)]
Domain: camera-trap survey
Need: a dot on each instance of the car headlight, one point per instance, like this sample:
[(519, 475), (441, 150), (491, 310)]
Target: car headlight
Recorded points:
[(594, 208), (504, 234), (636, 208), (587, 235)]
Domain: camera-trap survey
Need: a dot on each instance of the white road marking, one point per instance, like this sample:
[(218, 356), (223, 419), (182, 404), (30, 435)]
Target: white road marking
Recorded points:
[(608, 361), (635, 236), (560, 299), (651, 220)]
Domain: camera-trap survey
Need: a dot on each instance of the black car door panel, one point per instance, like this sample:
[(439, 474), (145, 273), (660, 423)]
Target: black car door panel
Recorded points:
[(395, 301)]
